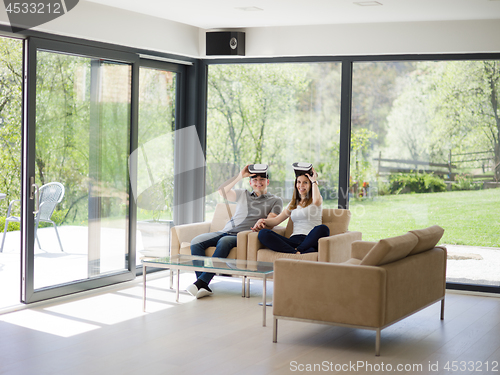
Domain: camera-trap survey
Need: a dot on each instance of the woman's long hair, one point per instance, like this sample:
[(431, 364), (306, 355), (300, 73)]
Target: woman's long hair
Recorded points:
[(296, 198)]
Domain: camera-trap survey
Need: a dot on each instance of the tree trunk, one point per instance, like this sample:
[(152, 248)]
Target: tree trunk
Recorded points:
[(494, 79)]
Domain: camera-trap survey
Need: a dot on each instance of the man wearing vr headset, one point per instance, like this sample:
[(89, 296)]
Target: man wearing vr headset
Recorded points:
[(251, 206)]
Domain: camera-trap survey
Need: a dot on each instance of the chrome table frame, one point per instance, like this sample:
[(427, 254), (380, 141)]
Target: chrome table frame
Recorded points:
[(245, 292)]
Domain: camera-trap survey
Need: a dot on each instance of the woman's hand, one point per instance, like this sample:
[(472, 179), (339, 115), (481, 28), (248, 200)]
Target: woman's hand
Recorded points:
[(314, 177), (316, 195), (260, 224)]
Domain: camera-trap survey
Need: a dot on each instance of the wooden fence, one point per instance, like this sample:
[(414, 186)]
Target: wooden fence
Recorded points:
[(447, 171)]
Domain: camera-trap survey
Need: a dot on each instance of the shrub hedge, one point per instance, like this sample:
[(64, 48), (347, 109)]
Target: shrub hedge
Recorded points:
[(401, 183)]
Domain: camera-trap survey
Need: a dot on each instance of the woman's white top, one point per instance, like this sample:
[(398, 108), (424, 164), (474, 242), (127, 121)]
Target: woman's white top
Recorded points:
[(305, 219)]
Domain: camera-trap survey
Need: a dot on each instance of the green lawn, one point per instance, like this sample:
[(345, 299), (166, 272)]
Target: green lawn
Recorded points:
[(468, 217)]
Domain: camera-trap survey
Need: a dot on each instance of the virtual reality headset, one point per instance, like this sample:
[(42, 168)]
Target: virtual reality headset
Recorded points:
[(258, 170), (301, 168)]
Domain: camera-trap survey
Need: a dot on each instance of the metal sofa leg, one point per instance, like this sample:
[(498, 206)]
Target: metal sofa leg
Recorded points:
[(275, 329), (442, 309), (377, 343)]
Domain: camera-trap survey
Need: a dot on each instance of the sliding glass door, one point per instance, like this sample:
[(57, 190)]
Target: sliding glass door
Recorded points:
[(154, 189), (76, 176)]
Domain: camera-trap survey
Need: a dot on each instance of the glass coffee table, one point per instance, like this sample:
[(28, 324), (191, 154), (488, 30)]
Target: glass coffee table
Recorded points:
[(245, 268)]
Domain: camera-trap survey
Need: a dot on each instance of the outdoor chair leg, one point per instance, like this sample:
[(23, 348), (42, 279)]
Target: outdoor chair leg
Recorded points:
[(38, 241), (58, 238), (4, 233), (36, 232)]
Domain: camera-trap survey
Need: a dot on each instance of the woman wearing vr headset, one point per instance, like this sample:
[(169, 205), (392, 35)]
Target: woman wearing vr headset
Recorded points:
[(306, 213)]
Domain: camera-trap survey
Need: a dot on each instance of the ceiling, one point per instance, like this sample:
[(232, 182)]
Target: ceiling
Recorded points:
[(222, 14)]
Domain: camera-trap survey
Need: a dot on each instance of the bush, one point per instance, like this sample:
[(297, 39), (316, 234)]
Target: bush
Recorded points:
[(57, 217), (383, 188), (464, 182), (402, 183), (12, 225)]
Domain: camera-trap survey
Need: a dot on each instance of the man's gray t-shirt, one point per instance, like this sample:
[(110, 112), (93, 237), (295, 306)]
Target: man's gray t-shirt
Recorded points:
[(251, 208)]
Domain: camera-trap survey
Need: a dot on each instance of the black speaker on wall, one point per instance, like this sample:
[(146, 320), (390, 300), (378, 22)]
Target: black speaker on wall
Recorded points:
[(225, 43)]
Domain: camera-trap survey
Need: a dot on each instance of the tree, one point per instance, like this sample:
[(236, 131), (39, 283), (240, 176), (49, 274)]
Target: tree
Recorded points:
[(409, 121), (250, 108), (375, 87), (468, 109), (10, 117)]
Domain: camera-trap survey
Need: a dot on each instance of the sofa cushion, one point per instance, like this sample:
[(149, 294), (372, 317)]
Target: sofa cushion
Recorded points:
[(353, 261), (390, 250), (271, 256), (427, 238)]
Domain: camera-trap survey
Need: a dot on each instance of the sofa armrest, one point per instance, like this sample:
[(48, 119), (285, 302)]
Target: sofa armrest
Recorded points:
[(242, 244), (337, 293), (359, 249), (337, 248), (253, 245), (186, 233), (423, 274)]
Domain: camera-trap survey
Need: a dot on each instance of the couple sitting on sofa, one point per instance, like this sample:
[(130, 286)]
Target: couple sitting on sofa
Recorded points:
[(261, 211)]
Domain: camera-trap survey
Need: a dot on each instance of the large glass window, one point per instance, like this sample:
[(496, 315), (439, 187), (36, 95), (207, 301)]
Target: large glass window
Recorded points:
[(425, 150), (275, 114), (155, 161)]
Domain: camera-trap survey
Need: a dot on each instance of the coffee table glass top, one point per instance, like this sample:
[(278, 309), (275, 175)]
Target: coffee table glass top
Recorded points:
[(218, 264)]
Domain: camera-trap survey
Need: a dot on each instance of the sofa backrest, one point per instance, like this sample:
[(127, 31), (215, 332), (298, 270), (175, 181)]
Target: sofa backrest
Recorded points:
[(336, 219), (390, 250), (427, 238), (221, 216)]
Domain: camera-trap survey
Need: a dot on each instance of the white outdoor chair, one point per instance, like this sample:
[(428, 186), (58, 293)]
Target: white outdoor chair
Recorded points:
[(50, 195)]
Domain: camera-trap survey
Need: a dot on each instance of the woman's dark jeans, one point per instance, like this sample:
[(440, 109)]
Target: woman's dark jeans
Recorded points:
[(300, 242)]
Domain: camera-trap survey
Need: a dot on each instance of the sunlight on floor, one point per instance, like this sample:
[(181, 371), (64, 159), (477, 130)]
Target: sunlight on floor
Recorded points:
[(86, 313), (48, 323)]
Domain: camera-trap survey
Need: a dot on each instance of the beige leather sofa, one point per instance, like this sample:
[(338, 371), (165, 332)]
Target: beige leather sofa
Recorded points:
[(336, 248), (182, 235), (381, 284)]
